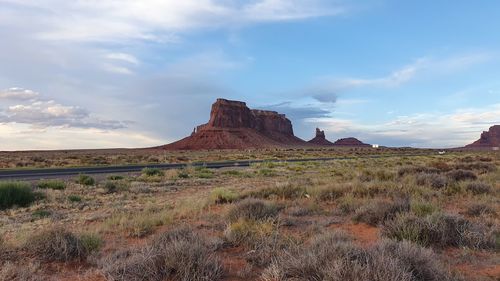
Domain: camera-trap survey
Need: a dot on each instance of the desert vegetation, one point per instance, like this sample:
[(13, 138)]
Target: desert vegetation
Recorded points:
[(429, 217)]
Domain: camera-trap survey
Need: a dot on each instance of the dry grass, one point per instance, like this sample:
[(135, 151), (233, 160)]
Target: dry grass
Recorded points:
[(249, 223), (333, 256), (179, 254)]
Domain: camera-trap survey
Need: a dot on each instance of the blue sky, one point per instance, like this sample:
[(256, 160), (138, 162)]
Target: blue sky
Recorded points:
[(92, 74)]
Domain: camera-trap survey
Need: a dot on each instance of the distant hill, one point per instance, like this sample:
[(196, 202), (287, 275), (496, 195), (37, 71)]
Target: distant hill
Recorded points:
[(488, 139)]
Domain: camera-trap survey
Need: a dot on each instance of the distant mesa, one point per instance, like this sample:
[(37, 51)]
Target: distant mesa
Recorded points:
[(350, 142), (489, 139), (320, 138), (233, 125)]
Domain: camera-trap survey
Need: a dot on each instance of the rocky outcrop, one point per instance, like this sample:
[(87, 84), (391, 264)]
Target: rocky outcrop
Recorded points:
[(350, 142), (233, 125), (490, 138), (320, 138)]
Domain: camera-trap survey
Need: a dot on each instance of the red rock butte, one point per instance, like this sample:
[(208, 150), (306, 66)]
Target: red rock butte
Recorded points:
[(489, 139), (233, 125), (320, 138)]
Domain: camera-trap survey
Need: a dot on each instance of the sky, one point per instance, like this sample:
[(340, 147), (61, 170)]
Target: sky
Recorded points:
[(123, 73)]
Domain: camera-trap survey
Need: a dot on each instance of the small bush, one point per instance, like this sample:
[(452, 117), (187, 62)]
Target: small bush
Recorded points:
[(15, 194), (91, 242), (434, 180), (348, 204), (423, 209), (10, 271), (478, 166), (116, 186), (461, 175), (179, 254), (478, 188), (479, 209), (85, 180), (261, 238), (40, 214), (223, 196), (247, 232), (74, 198), (151, 172), (408, 170), (253, 209), (330, 193), (439, 230), (378, 211), (52, 184), (115, 177), (332, 256), (110, 187), (280, 191), (55, 245), (267, 172), (183, 174), (204, 173)]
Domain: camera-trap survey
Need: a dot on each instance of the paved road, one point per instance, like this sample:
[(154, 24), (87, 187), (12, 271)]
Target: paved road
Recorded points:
[(55, 172)]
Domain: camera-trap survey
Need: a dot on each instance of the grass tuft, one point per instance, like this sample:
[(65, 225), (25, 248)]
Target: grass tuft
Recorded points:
[(16, 194)]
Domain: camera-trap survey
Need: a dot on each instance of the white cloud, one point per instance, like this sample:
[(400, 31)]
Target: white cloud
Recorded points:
[(15, 93), (22, 136), (407, 73), (116, 20), (47, 113), (117, 69), (435, 130), (123, 57)]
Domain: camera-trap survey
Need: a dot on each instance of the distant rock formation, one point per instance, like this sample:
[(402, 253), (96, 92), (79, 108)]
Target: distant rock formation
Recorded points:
[(350, 142), (233, 125), (489, 139), (320, 138)]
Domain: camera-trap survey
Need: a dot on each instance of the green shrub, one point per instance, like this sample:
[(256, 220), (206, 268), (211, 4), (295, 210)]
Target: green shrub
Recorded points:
[(183, 174), (40, 214), (115, 177), (281, 191), (74, 198), (52, 184), (267, 172), (151, 172), (91, 242), (422, 209), (115, 186), (16, 194), (253, 209), (222, 196), (85, 180)]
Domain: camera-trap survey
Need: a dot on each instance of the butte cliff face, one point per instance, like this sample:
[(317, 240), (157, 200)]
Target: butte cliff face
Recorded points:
[(320, 138), (490, 138), (233, 125), (350, 142)]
